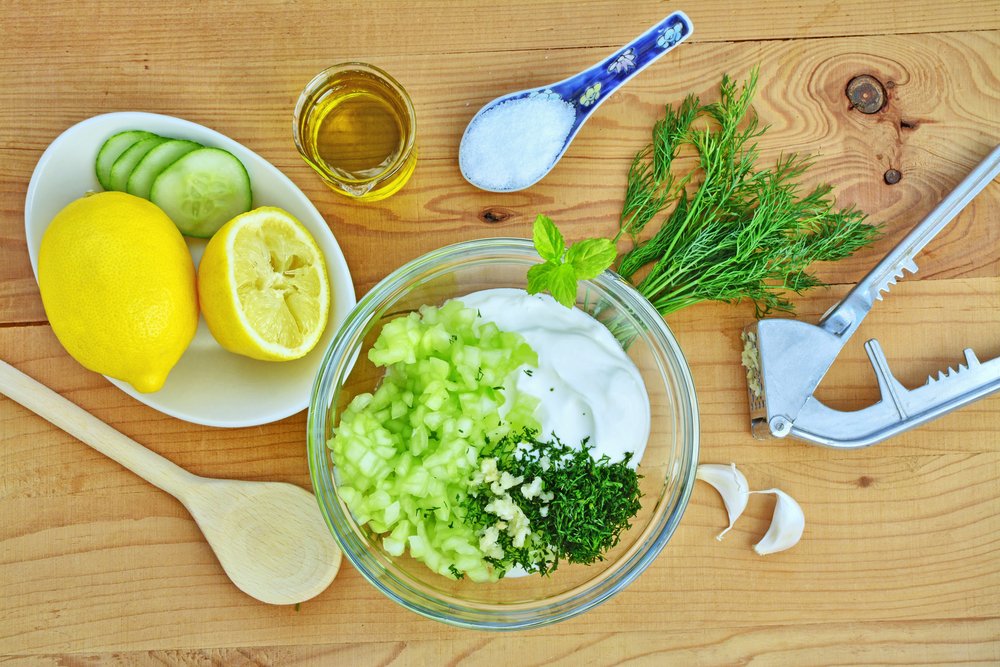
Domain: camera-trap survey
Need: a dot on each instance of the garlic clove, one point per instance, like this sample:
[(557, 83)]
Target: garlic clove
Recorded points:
[(731, 485), (786, 527)]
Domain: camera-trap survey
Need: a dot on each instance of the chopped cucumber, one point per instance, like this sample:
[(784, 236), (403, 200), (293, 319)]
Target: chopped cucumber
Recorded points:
[(112, 149), (405, 454), (123, 166), (203, 190), (154, 162)]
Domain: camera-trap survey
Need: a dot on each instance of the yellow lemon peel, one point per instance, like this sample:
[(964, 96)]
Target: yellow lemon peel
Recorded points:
[(118, 287)]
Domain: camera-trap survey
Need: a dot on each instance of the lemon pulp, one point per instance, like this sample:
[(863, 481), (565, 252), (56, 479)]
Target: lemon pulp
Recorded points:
[(264, 287)]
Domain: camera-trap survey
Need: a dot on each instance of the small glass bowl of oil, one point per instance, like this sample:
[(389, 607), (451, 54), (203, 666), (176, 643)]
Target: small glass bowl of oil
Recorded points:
[(354, 124)]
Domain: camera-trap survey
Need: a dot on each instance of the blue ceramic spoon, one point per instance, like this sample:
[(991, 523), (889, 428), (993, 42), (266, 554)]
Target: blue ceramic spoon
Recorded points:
[(588, 89)]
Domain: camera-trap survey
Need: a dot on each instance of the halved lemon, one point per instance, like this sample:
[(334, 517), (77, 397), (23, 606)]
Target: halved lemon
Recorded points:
[(263, 286)]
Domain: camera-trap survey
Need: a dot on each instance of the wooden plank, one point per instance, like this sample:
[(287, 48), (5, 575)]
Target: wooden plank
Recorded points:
[(584, 192), (969, 642), (917, 340), (446, 92), (118, 577), (131, 37)]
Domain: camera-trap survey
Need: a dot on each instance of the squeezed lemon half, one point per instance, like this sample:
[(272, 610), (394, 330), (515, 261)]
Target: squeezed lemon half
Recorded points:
[(263, 286)]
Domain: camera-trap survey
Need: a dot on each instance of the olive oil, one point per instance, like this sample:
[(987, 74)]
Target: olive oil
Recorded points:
[(355, 126)]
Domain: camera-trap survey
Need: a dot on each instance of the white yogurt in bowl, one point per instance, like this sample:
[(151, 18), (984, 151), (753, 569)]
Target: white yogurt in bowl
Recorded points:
[(587, 386)]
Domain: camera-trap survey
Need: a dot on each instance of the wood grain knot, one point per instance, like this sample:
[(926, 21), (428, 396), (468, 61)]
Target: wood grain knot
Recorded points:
[(866, 93), (864, 481), (495, 214), (892, 176)]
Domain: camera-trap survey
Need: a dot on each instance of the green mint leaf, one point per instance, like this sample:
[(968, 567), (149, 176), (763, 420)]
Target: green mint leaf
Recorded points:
[(562, 284), (589, 258), (548, 240), (539, 277), (558, 279), (558, 274)]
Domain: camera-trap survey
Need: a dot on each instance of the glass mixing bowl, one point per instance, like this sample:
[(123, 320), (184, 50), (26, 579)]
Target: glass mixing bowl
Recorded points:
[(667, 467)]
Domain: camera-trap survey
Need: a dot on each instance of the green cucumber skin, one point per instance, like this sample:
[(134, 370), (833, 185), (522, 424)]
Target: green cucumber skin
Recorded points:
[(126, 162), (175, 191), (112, 149), (140, 182)]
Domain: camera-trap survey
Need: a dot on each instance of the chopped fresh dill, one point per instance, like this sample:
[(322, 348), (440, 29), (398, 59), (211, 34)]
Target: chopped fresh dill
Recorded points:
[(576, 511), (426, 512)]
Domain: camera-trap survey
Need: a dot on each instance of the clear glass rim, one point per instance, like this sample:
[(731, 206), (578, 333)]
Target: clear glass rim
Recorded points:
[(316, 84), (339, 359)]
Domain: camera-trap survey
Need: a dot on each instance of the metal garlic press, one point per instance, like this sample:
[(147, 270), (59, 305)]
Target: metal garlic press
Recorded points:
[(786, 359)]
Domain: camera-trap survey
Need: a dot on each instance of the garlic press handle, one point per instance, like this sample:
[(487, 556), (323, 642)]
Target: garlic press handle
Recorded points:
[(900, 408), (846, 316)]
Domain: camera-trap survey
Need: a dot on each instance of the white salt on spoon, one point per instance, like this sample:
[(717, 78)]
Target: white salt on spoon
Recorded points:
[(515, 140)]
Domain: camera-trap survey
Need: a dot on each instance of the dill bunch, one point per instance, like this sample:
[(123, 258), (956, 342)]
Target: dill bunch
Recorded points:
[(729, 231)]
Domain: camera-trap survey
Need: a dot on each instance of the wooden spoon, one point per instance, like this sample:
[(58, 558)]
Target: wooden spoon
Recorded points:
[(269, 536)]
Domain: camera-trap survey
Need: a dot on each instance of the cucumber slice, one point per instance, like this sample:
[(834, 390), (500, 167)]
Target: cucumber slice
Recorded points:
[(154, 162), (202, 191), (123, 166), (112, 149)]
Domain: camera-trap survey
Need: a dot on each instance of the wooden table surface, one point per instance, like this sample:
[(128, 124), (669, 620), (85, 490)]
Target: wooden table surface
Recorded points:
[(900, 561)]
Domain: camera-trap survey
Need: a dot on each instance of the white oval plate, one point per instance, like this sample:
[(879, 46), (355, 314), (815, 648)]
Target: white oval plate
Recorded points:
[(208, 385)]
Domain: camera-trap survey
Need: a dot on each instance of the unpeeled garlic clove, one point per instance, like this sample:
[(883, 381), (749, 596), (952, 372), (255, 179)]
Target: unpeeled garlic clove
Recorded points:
[(786, 527), (731, 485)]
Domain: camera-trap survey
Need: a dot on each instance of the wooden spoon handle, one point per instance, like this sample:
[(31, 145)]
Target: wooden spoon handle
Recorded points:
[(89, 429)]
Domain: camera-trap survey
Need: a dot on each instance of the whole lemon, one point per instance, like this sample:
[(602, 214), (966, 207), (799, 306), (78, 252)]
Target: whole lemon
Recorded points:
[(118, 286)]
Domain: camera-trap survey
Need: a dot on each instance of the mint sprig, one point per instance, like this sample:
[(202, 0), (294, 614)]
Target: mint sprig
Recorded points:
[(564, 266)]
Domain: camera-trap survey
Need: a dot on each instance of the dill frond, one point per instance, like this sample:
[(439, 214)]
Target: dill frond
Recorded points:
[(728, 231)]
